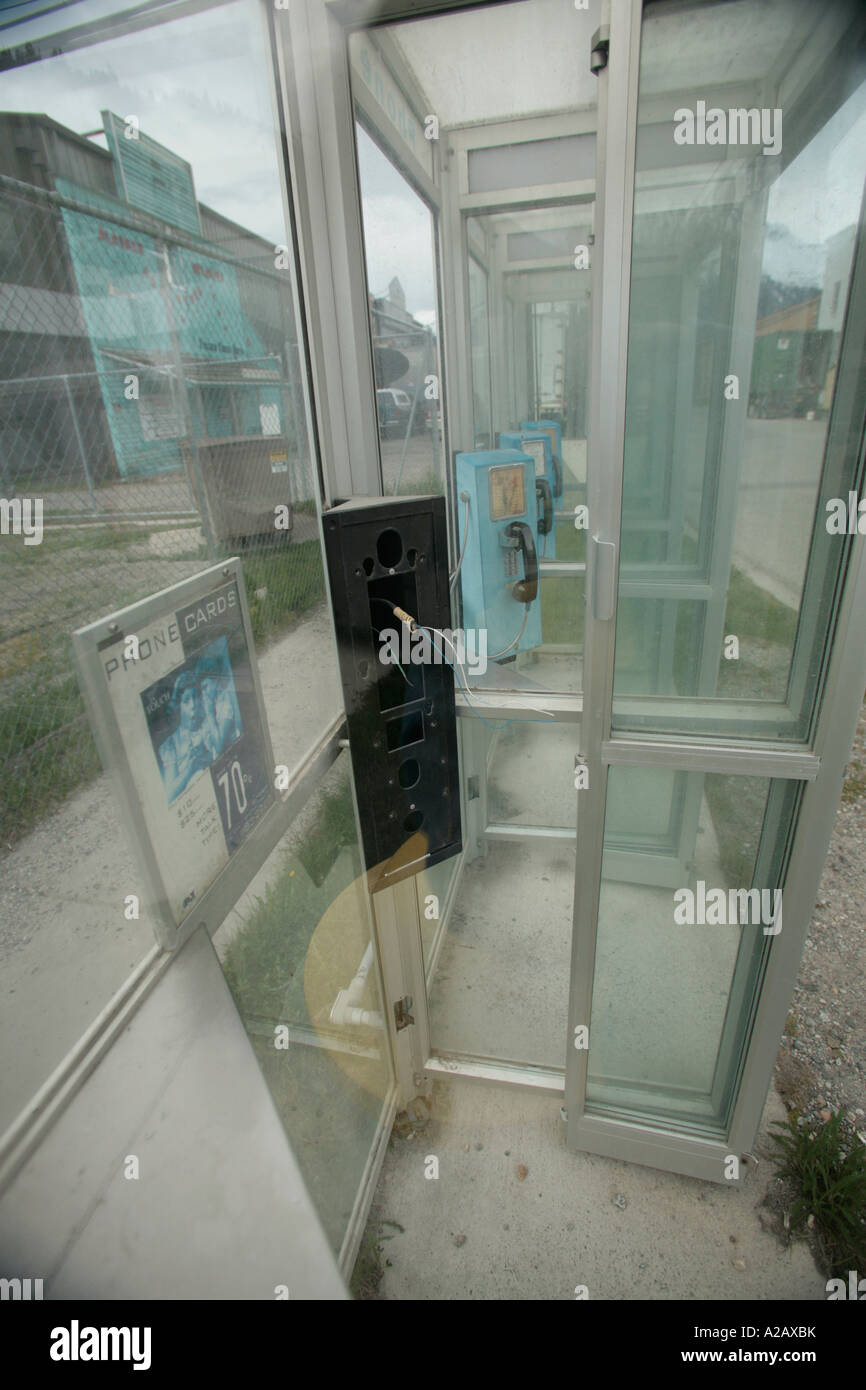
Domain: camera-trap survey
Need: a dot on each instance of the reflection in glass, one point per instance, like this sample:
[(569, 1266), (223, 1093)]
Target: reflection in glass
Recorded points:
[(530, 338), (682, 935), (150, 395), (297, 955), (398, 239), (741, 266), (479, 343)]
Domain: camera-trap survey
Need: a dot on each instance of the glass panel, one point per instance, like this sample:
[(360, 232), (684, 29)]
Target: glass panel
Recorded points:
[(690, 901), (479, 344), (398, 237), (434, 885), (501, 985), (531, 777), (523, 297), (151, 400), (747, 206), (530, 319), (297, 955), (657, 641)]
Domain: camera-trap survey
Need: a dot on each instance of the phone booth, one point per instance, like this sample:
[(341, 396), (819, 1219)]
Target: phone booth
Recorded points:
[(571, 326), (635, 747), (500, 559)]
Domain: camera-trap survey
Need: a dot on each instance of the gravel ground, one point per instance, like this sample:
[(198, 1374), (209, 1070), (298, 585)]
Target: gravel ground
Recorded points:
[(822, 1061)]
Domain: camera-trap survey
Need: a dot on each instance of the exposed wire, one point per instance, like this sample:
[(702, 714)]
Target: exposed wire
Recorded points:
[(465, 686), (378, 632), (464, 497), (505, 650), (411, 623)]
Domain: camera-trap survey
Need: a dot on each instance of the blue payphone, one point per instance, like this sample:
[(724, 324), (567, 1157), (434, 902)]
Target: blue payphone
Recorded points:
[(498, 533), (537, 444), (553, 430)]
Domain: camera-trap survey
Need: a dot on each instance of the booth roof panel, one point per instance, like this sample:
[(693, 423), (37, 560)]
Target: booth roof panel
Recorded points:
[(736, 42), (504, 61)]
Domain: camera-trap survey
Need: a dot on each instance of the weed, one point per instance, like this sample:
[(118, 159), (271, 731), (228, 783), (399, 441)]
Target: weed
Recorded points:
[(293, 580), (828, 1167), (368, 1272)]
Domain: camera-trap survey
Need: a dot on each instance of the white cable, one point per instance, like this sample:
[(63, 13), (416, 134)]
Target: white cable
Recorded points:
[(506, 650), (464, 497), (477, 705)]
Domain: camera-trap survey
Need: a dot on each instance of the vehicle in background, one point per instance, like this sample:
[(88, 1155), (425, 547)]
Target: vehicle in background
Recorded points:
[(394, 408), (433, 409)]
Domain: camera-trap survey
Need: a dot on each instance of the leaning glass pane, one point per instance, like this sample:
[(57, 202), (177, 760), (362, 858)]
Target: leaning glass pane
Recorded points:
[(298, 959)]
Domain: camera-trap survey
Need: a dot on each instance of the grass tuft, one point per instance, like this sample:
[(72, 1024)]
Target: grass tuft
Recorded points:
[(828, 1168)]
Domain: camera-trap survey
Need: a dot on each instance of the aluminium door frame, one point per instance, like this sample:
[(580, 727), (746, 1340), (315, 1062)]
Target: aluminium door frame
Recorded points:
[(818, 767), (317, 107), (313, 111)]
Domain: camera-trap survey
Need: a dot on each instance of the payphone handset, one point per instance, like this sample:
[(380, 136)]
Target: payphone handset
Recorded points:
[(498, 530), (553, 430), (537, 444)]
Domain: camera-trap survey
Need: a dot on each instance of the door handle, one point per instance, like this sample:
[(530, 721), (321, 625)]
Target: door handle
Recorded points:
[(604, 558)]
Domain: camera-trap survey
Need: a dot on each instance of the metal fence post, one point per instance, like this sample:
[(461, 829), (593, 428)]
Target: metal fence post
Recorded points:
[(74, 413), (190, 453)]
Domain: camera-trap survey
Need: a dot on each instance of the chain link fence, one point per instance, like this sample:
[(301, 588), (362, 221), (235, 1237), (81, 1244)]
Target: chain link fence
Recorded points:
[(151, 420)]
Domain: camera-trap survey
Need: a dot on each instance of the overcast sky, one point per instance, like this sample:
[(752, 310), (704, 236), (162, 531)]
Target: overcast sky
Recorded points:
[(196, 85), (398, 231), (820, 192)]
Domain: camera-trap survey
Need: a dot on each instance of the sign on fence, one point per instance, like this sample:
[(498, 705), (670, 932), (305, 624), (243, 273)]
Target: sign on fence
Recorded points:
[(174, 699)]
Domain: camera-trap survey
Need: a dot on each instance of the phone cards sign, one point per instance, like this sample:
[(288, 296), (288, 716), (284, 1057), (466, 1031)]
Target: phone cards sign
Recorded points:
[(175, 701)]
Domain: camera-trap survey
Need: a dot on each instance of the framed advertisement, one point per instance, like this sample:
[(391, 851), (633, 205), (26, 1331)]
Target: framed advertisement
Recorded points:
[(173, 695)]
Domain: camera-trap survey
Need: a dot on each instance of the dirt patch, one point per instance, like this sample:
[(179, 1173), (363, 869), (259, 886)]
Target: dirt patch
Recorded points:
[(822, 1060)]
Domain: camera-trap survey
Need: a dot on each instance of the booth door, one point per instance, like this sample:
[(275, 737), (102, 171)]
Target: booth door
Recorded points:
[(724, 422)]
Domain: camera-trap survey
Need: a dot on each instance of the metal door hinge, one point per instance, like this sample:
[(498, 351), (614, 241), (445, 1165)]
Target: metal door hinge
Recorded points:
[(402, 1015), (599, 49), (472, 790)]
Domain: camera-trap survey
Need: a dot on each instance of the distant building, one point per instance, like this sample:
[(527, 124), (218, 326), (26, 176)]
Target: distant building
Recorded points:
[(837, 276), (113, 304), (795, 318), (394, 327)]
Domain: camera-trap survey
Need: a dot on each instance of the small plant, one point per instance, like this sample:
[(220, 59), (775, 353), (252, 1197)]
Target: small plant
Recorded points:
[(828, 1167)]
